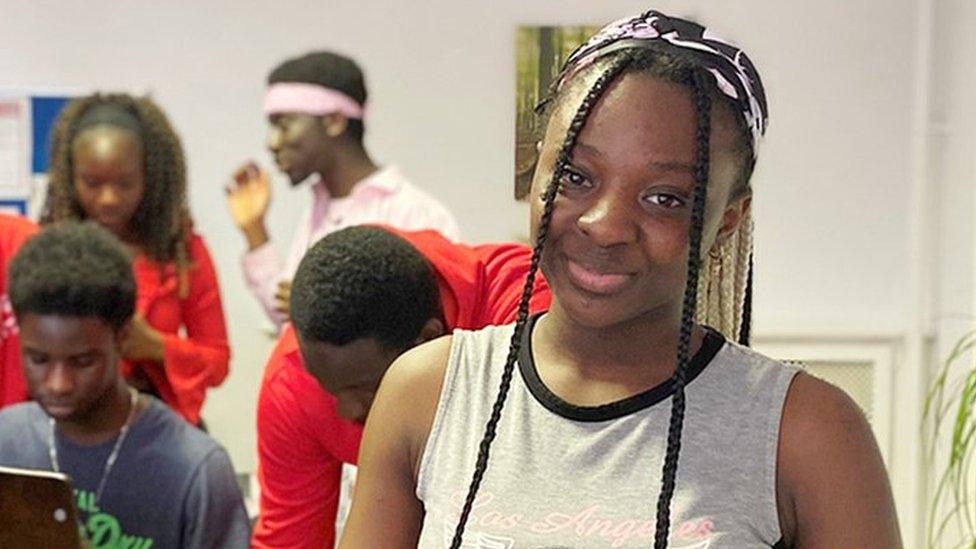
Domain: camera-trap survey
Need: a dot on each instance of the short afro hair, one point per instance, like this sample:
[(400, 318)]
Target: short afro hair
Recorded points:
[(75, 269), (364, 282), (329, 70)]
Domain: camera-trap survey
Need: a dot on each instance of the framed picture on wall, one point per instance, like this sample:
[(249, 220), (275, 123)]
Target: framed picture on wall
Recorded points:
[(27, 117), (540, 52), (14, 149)]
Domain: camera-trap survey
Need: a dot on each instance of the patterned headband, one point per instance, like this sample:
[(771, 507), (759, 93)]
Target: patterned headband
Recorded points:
[(734, 73)]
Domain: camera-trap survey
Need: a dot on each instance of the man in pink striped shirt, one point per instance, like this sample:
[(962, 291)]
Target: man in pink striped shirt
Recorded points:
[(315, 106)]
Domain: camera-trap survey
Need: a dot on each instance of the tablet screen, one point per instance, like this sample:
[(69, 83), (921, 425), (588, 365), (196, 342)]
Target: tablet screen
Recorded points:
[(37, 509)]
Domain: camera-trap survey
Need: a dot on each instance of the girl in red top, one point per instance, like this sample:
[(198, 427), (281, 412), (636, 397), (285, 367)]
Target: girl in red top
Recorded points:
[(116, 160)]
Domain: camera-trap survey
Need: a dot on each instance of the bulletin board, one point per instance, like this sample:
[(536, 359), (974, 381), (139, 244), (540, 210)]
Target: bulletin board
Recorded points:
[(26, 121)]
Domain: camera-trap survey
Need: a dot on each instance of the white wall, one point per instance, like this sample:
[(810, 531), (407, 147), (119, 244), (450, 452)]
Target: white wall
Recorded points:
[(953, 177), (953, 167), (833, 191)]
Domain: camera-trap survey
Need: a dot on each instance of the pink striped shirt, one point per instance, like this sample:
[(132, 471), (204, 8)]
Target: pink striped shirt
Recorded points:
[(384, 197)]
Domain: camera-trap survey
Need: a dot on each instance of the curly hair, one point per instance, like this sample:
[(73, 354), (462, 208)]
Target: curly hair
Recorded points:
[(161, 223), (74, 269), (364, 282)]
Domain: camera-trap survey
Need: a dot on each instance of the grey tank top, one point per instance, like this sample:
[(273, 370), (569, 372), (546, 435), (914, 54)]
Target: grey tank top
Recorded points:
[(566, 476)]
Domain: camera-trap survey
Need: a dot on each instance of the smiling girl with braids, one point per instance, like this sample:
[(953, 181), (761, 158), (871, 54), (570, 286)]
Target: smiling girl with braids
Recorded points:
[(643, 177), (116, 160)]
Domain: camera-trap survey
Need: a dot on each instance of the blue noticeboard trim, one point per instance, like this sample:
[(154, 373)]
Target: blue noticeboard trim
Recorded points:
[(44, 112), (15, 205)]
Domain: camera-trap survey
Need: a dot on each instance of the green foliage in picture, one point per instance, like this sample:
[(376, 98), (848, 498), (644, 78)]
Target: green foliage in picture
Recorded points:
[(540, 52)]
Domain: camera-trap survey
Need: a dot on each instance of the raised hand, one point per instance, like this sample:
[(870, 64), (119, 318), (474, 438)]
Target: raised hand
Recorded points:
[(248, 198)]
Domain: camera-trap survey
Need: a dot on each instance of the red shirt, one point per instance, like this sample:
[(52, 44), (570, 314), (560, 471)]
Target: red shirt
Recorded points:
[(302, 441), (14, 231), (197, 360)]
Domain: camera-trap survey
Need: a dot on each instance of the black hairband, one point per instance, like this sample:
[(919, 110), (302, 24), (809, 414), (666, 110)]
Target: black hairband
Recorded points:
[(110, 115)]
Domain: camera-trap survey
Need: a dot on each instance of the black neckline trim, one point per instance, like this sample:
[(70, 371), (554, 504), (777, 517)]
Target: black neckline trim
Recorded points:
[(711, 345)]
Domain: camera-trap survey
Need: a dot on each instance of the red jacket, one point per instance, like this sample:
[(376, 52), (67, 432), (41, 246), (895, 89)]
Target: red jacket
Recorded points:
[(14, 231), (194, 362), (302, 441)]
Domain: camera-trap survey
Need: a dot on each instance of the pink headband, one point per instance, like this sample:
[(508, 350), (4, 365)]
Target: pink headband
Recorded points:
[(313, 99)]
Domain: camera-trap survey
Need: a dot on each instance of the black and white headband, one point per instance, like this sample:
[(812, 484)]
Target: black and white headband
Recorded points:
[(734, 73)]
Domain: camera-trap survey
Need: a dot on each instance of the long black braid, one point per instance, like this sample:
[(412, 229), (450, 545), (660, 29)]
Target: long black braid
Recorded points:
[(703, 103), (549, 197), (745, 332)]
